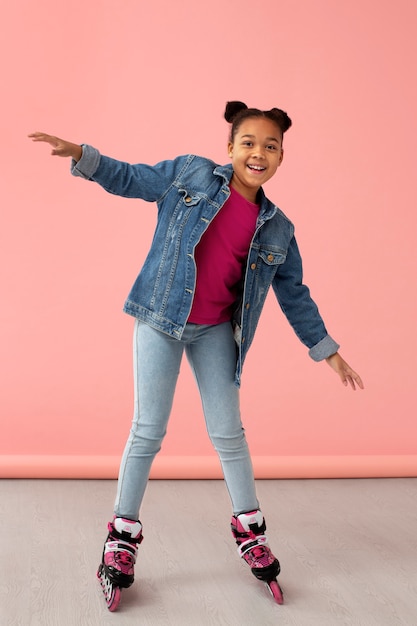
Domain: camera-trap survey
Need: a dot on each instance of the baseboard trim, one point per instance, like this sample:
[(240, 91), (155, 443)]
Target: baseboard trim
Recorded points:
[(208, 467)]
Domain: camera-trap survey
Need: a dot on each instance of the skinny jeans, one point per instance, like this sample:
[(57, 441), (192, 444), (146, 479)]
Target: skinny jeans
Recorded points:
[(211, 352)]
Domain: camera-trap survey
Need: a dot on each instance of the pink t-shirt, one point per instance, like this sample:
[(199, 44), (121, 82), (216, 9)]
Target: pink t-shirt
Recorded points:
[(220, 258)]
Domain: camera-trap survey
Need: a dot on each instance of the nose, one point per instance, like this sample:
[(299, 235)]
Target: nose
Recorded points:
[(258, 152)]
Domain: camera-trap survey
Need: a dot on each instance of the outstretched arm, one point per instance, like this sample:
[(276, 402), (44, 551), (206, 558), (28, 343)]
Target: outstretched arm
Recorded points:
[(346, 374), (59, 146), (148, 182)]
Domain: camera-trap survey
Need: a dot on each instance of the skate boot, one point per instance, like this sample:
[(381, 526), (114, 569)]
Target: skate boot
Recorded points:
[(116, 570), (249, 531)]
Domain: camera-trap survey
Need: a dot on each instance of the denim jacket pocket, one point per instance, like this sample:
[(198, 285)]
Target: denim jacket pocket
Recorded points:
[(273, 257), (189, 198)]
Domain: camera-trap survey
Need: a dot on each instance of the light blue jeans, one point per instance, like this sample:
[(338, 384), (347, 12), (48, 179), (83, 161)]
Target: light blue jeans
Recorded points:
[(211, 352)]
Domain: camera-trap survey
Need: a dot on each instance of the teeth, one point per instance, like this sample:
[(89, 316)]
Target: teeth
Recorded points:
[(258, 168)]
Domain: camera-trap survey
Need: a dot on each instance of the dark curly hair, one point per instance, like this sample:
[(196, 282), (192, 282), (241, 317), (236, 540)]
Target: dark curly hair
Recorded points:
[(236, 112)]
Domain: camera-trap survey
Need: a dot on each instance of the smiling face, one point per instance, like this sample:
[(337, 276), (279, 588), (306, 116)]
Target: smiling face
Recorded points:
[(256, 153)]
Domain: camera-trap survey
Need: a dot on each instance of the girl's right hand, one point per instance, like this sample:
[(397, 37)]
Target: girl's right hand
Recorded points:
[(59, 146)]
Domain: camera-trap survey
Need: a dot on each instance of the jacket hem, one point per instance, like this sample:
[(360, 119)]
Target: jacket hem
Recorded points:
[(154, 320)]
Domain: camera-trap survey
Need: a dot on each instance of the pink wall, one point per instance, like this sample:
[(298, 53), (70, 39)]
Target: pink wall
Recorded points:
[(147, 81)]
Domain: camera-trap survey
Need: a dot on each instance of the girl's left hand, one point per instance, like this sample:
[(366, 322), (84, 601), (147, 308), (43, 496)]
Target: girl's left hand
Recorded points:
[(344, 371)]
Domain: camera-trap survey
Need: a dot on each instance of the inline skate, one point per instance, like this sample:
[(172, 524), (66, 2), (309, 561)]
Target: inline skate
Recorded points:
[(116, 570), (248, 529)]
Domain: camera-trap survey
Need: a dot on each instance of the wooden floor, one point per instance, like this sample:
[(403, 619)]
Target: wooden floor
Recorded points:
[(348, 550)]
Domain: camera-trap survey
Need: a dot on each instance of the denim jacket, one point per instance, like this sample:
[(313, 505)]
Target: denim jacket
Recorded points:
[(189, 192)]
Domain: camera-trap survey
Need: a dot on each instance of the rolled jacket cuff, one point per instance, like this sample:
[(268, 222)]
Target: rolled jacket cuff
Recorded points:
[(323, 349), (87, 166)]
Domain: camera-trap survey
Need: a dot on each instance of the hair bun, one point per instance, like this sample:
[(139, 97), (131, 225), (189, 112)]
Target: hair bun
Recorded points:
[(232, 109), (284, 121)]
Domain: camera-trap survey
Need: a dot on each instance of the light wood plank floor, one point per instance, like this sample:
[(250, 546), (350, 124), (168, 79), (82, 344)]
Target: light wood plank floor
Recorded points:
[(348, 550)]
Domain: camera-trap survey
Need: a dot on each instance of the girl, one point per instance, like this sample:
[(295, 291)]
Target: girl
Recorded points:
[(219, 245)]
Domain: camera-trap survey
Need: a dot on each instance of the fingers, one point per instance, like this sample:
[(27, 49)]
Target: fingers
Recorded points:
[(359, 382), (346, 374), (59, 147), (53, 141), (350, 378), (41, 137)]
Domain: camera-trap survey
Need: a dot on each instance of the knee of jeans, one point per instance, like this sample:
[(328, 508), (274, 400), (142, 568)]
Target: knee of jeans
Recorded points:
[(146, 441), (229, 443)]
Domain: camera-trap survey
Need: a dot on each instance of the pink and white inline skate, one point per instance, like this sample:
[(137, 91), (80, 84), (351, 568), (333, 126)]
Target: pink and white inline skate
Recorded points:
[(249, 531), (116, 570)]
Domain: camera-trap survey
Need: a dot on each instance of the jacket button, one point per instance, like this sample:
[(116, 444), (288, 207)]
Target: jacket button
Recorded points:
[(270, 257), (188, 199), (247, 305), (253, 266)]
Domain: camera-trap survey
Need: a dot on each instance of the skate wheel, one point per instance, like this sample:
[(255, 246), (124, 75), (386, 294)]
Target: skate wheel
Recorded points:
[(112, 593), (276, 591), (113, 600)]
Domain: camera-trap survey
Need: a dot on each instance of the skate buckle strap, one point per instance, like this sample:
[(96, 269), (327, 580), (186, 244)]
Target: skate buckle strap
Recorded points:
[(123, 529), (118, 546), (246, 546)]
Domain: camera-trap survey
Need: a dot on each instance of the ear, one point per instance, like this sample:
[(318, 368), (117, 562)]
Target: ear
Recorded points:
[(230, 148), (281, 157)]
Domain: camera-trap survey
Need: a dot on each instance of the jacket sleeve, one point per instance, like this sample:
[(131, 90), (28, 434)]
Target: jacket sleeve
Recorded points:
[(148, 182), (299, 308)]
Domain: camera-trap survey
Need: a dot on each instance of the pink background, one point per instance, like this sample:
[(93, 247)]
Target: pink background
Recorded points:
[(146, 81)]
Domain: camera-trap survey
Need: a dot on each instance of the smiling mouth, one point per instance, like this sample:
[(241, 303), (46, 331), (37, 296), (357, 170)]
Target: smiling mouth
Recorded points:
[(256, 168)]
